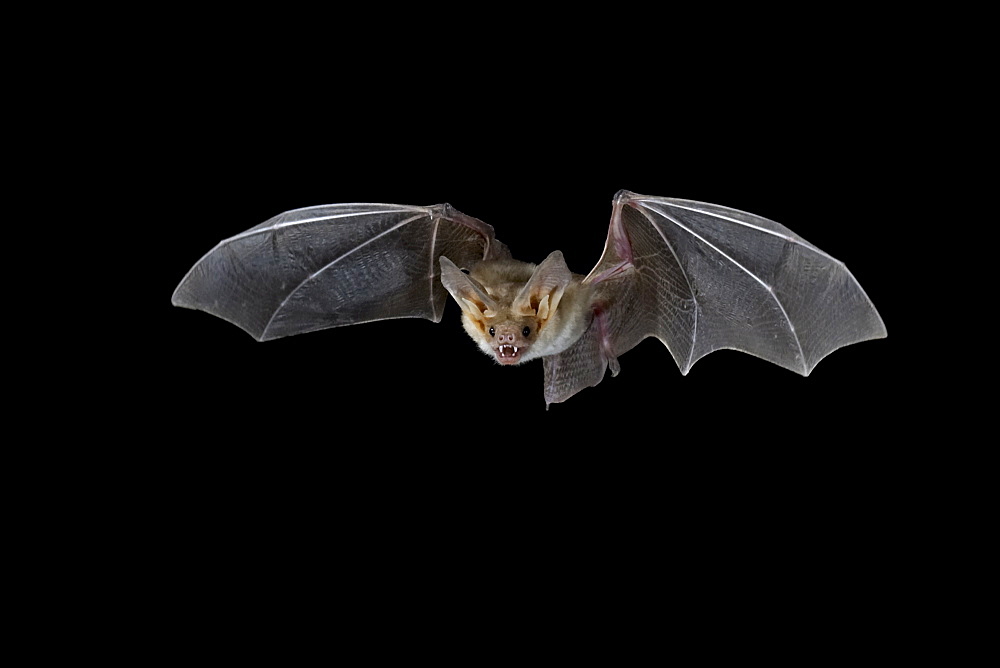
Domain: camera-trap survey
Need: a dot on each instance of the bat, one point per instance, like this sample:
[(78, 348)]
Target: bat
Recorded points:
[(699, 277)]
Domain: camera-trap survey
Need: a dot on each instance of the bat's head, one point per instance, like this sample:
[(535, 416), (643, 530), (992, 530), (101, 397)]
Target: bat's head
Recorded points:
[(509, 308)]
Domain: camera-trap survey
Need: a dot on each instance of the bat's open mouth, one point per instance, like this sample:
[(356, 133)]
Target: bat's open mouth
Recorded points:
[(509, 354)]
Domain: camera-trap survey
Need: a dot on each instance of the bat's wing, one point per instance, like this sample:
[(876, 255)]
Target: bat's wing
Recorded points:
[(341, 264), (702, 277)]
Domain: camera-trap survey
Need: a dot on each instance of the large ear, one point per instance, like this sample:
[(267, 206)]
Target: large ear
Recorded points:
[(466, 292), (541, 294)]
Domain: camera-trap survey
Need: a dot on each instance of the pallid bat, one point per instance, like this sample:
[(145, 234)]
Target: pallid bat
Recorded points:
[(699, 277)]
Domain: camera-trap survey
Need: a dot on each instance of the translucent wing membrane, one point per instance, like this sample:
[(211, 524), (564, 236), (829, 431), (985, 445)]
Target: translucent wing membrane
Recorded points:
[(327, 266), (702, 277)]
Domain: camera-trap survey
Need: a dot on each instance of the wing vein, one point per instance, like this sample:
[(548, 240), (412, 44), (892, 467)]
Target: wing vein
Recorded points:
[(430, 277), (694, 298), (742, 223), (330, 264), (752, 275), (303, 221)]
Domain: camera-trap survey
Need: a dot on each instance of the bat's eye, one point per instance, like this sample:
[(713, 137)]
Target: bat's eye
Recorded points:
[(526, 331), (492, 331)]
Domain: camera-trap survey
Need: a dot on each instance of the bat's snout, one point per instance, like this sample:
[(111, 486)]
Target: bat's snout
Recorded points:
[(509, 346)]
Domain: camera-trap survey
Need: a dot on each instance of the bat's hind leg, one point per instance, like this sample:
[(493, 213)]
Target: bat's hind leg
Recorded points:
[(602, 329)]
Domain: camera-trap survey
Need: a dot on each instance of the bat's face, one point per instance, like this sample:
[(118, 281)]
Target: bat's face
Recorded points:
[(512, 309), (508, 341)]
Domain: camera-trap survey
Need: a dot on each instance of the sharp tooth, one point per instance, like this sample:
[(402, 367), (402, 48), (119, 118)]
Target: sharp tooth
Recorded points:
[(515, 350)]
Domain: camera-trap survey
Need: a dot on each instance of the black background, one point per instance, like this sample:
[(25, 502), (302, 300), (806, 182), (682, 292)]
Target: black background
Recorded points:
[(541, 164), (399, 442)]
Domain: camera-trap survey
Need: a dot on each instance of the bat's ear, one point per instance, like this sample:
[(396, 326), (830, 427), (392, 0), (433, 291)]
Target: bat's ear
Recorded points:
[(466, 292), (541, 294)]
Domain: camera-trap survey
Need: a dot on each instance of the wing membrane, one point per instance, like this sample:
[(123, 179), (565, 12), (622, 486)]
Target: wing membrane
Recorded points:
[(702, 277), (328, 266)]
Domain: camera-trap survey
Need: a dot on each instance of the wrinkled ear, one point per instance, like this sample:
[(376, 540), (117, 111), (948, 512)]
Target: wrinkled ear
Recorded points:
[(541, 294), (469, 294)]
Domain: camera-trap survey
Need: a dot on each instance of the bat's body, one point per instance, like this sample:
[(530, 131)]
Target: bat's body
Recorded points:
[(697, 276)]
